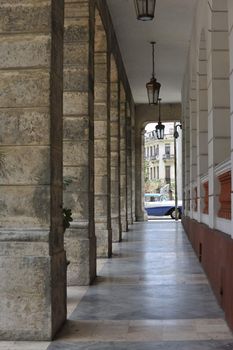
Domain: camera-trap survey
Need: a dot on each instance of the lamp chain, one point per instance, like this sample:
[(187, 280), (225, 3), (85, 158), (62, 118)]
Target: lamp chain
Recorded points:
[(153, 59)]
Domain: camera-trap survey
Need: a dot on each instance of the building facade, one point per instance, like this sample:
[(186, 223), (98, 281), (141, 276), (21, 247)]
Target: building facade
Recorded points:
[(207, 105), (159, 161)]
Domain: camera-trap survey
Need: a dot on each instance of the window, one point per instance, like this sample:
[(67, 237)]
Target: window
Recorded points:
[(157, 150), (151, 169), (168, 174), (151, 151), (157, 172), (154, 172), (167, 149)]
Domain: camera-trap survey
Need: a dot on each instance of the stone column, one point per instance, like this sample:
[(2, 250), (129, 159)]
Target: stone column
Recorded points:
[(115, 155), (133, 165), (102, 144), (129, 164), (80, 239), (123, 160), (139, 177), (218, 98), (32, 257)]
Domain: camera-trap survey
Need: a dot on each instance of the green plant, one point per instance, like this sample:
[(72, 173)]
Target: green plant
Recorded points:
[(67, 212), (67, 217), (67, 180)]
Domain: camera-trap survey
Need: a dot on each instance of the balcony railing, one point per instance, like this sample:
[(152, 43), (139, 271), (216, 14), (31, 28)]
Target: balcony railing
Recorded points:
[(168, 156), (154, 157)]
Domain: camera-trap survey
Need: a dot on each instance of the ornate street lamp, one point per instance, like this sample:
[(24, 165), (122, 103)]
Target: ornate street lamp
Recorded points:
[(153, 86), (145, 9), (159, 129), (176, 134)]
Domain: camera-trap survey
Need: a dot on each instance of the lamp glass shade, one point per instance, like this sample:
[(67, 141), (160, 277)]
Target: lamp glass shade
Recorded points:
[(159, 129), (145, 9), (153, 88)]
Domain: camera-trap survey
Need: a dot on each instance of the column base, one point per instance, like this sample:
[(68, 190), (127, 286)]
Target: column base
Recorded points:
[(130, 220), (116, 229), (124, 223), (81, 254), (32, 288), (103, 240)]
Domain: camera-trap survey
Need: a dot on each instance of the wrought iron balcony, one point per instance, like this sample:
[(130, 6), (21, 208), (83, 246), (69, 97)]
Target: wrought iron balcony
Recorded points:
[(168, 156)]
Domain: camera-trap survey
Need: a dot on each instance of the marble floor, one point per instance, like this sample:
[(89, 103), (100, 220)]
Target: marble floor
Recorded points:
[(153, 294)]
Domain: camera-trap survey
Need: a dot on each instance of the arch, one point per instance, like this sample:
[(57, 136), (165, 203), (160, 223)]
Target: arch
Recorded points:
[(219, 142), (202, 123), (146, 114)]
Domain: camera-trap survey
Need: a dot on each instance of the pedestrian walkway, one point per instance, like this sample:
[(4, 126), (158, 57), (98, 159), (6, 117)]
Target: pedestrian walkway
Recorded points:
[(152, 295)]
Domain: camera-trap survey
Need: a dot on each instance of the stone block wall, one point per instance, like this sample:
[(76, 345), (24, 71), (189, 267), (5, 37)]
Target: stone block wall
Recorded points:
[(78, 140), (32, 257), (102, 143), (47, 130)]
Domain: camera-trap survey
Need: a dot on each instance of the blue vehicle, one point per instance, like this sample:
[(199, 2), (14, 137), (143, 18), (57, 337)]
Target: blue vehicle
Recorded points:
[(157, 204)]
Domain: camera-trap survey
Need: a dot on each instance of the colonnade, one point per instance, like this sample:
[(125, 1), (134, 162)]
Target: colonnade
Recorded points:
[(66, 141)]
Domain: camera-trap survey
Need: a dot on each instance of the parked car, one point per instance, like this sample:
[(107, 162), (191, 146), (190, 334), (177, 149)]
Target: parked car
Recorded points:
[(157, 204)]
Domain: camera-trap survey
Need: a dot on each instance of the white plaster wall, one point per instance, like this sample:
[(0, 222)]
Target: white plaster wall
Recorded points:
[(211, 18)]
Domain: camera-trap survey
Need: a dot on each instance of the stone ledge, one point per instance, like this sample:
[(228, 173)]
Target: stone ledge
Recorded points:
[(25, 235)]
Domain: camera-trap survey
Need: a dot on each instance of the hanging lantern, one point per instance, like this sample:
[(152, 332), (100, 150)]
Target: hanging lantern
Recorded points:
[(159, 129), (145, 9), (153, 87)]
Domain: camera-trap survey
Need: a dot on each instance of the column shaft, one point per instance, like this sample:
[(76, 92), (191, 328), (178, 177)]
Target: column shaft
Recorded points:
[(102, 158), (115, 156), (123, 161), (78, 140), (129, 164), (32, 257)]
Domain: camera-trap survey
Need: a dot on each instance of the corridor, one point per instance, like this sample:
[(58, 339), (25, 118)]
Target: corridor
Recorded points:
[(152, 294)]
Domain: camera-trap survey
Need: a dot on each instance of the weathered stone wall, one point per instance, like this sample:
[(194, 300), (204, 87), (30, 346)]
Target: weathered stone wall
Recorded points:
[(129, 164), (78, 161), (34, 113), (32, 258), (123, 160), (115, 154), (126, 96), (102, 143), (132, 111)]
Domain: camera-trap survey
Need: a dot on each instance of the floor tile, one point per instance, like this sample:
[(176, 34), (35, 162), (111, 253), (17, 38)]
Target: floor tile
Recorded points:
[(152, 295)]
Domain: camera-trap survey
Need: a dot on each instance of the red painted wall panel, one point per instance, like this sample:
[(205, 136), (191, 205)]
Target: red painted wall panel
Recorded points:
[(216, 257)]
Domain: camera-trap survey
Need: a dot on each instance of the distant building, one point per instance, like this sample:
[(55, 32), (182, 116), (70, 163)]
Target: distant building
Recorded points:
[(160, 162)]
